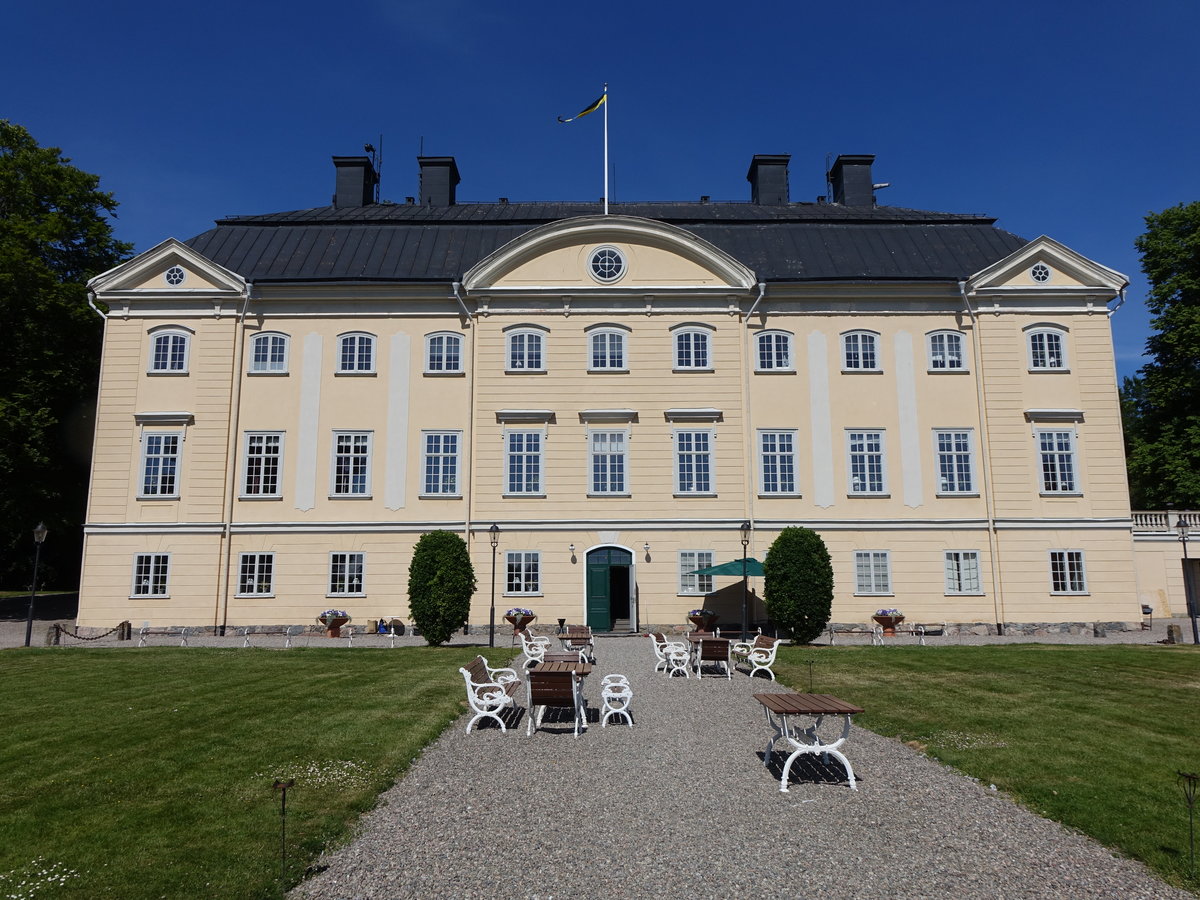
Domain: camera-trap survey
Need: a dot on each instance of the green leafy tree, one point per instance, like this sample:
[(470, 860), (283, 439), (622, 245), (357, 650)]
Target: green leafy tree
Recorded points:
[(798, 583), (1161, 407), (441, 582), (54, 236)]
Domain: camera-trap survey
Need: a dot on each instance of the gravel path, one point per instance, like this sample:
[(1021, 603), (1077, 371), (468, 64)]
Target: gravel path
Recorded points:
[(681, 804)]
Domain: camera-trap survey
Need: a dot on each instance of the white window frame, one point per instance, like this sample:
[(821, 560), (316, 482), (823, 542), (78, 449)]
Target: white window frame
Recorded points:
[(1051, 479), (356, 366), (154, 578), (269, 366), (160, 460), (867, 454), (250, 442), (367, 454), (956, 460), (708, 454), (1062, 562), (517, 361), (173, 363), (436, 476), (775, 453), (345, 577), (695, 585), (685, 359), (962, 573), (879, 563), (606, 487), (522, 573), (607, 335), (527, 487), (943, 359), (1040, 359), (436, 361), (773, 362), (854, 360), (256, 571)]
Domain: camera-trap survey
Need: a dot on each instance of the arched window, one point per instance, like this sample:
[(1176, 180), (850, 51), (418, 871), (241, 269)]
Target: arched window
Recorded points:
[(269, 353), (606, 351), (443, 353), (693, 349), (946, 351), (773, 352), (1047, 348), (169, 348), (356, 353), (526, 351), (860, 351)]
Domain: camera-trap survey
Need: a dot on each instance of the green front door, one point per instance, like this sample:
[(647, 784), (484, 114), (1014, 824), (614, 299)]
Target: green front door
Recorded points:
[(607, 586)]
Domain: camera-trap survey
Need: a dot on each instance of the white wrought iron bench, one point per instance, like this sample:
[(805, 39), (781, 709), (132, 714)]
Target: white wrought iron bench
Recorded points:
[(489, 691), (758, 654)]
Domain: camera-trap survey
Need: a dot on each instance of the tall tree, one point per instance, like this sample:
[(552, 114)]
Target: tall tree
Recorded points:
[(1162, 405), (798, 583), (54, 236), (441, 582)]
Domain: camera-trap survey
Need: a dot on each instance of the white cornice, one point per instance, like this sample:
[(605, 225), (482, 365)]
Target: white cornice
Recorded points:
[(608, 415)]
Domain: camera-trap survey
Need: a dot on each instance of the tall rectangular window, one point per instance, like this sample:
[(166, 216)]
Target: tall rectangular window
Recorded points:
[(346, 573), (693, 462), (356, 353), (522, 572), (689, 562), (778, 461), (264, 453), (865, 450), (268, 354), (1057, 451), (1046, 350), (962, 572), (524, 464), (441, 462), (872, 572), (691, 350), (256, 574), (443, 353), (169, 352), (608, 351), (1067, 574), (150, 574), (160, 465), (525, 352), (351, 463), (954, 462), (608, 458), (859, 351), (945, 350)]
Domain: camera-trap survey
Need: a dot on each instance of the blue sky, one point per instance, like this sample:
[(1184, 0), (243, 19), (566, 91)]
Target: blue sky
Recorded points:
[(1067, 118)]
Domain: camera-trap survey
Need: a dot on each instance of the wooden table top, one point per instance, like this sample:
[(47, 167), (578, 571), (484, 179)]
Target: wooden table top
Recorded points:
[(579, 668), (697, 637), (806, 704)]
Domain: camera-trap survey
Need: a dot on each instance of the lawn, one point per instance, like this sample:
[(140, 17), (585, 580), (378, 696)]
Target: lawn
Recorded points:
[(150, 773), (1088, 736)]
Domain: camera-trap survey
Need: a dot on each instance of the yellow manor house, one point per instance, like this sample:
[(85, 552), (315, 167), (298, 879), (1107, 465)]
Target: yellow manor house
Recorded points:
[(288, 401)]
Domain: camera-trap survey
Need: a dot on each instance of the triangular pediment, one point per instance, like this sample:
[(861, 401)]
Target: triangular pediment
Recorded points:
[(169, 268), (650, 255), (1045, 266)]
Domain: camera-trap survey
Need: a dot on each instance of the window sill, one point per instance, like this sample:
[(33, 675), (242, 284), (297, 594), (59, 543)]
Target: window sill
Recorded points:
[(439, 496), (268, 374), (863, 594), (780, 495), (536, 594), (1050, 495), (950, 495), (699, 494), (526, 496), (254, 497), (948, 371), (608, 371), (338, 596), (626, 495), (254, 596), (371, 374), (349, 496), (153, 497), (774, 371), (965, 594), (149, 596), (458, 374), (525, 372), (165, 372), (864, 495), (862, 371), (1049, 371), (689, 371), (1070, 593)]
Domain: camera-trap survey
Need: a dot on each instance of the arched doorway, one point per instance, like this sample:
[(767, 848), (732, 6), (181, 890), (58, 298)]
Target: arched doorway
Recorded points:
[(609, 588)]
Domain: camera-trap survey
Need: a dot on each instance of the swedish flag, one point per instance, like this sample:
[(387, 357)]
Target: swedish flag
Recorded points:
[(591, 109)]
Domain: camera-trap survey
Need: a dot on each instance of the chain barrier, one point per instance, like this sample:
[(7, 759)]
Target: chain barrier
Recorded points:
[(79, 637)]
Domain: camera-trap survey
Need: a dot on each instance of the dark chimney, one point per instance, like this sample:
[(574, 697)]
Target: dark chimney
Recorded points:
[(768, 177), (439, 176), (356, 180), (851, 180)]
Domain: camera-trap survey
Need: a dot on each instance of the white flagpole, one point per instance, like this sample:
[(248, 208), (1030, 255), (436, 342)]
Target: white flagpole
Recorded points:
[(606, 148)]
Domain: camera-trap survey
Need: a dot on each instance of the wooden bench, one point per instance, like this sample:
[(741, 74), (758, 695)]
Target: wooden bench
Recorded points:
[(759, 654), (182, 633), (489, 690)]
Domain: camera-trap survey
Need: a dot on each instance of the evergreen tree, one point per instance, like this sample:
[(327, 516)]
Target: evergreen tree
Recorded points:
[(798, 583), (1161, 407), (441, 582), (54, 236)]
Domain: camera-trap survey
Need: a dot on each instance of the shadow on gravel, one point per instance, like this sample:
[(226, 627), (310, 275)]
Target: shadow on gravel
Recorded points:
[(809, 769)]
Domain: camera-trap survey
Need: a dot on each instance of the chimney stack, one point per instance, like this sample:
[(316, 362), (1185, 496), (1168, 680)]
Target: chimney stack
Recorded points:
[(439, 177), (768, 177), (356, 180), (851, 180)]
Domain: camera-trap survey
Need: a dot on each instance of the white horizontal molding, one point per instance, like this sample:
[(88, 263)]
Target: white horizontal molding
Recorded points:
[(701, 414), (524, 416), (819, 525), (154, 528), (1116, 523), (1054, 415), (608, 415), (164, 418)]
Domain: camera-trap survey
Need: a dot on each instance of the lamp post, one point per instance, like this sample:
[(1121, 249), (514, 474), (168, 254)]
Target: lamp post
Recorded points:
[(745, 576), (1182, 525), (494, 537), (39, 535)]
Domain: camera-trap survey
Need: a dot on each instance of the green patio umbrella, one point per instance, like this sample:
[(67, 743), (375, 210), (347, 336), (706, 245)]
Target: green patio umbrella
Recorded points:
[(753, 567)]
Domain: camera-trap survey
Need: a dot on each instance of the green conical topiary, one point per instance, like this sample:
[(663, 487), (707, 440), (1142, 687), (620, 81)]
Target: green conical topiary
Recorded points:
[(798, 583), (441, 582)]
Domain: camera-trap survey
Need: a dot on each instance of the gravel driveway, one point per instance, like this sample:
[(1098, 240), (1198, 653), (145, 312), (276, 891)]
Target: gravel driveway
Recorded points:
[(681, 805)]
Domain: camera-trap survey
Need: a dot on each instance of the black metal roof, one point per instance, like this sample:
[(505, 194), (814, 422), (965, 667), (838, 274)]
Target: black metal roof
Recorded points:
[(787, 242)]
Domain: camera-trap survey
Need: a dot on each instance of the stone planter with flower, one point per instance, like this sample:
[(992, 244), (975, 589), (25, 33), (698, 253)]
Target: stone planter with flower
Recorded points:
[(333, 620), (519, 618), (888, 619), (702, 619)]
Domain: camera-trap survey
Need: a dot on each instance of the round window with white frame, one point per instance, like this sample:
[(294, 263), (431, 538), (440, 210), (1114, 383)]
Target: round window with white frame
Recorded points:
[(1040, 273), (175, 275), (607, 264)]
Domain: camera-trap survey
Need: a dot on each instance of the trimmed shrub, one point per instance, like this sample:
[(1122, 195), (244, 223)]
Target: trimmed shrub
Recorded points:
[(798, 583), (441, 582)]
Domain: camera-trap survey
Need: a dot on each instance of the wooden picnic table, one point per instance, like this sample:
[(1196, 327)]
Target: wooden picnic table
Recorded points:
[(781, 707)]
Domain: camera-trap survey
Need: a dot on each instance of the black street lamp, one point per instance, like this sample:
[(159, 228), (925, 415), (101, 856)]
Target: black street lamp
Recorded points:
[(1182, 525), (39, 535), (745, 576), (494, 536)]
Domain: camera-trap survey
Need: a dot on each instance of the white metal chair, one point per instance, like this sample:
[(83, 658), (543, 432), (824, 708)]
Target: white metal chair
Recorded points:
[(661, 648), (534, 648), (760, 654), (489, 691), (617, 695)]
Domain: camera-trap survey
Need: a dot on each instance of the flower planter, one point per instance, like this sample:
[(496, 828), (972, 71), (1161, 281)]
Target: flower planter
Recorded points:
[(888, 623), (703, 623), (333, 624), (519, 623)]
